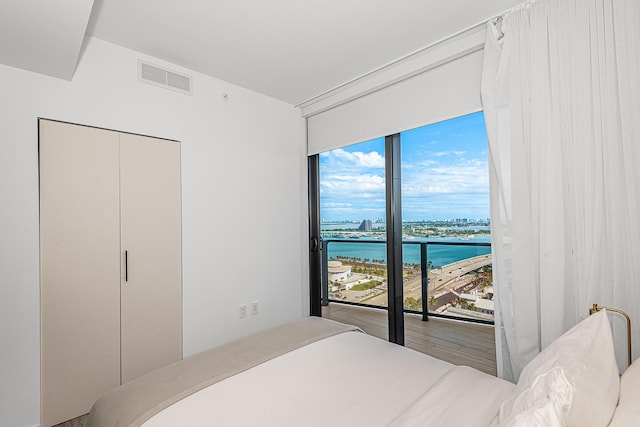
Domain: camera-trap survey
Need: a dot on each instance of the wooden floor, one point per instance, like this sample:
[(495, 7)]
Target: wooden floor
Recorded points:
[(460, 343)]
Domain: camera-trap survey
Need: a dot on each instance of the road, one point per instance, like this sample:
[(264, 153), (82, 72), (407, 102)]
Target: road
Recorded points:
[(441, 280)]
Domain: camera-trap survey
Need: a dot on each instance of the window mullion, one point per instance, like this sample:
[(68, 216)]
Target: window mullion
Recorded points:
[(315, 241), (394, 239)]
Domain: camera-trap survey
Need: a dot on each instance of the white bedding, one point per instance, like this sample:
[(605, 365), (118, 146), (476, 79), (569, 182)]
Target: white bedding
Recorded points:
[(461, 397), (350, 379)]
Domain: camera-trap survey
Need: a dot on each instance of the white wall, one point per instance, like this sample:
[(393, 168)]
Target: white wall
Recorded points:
[(244, 198)]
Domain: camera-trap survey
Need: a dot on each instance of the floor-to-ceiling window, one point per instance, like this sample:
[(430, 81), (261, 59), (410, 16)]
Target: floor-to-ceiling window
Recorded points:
[(352, 222), (445, 210), (446, 260)]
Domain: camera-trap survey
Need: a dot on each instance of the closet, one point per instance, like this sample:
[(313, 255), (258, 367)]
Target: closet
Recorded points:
[(110, 262)]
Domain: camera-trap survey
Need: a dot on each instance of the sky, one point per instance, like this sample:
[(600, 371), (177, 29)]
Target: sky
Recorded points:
[(444, 174)]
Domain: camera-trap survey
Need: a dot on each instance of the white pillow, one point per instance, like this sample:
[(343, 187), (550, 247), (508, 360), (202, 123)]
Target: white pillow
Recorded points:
[(572, 382), (628, 410)]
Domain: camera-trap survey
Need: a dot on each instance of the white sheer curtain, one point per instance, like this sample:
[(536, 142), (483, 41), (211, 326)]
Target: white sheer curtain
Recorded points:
[(561, 96)]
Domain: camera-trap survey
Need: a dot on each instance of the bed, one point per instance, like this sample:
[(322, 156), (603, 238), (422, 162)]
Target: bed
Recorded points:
[(317, 372)]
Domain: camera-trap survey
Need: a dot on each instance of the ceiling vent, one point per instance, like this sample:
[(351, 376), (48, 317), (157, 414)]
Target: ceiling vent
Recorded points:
[(162, 77)]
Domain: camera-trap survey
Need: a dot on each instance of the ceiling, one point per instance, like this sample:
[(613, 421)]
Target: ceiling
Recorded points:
[(291, 50), (43, 36)]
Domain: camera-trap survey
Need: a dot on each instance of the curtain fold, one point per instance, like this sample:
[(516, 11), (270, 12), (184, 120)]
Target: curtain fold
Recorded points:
[(561, 96)]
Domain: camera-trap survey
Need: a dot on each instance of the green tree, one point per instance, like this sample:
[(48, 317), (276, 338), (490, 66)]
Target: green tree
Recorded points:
[(410, 303), (433, 300)]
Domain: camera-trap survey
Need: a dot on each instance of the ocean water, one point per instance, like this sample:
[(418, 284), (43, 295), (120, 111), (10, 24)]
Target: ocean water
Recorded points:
[(439, 255)]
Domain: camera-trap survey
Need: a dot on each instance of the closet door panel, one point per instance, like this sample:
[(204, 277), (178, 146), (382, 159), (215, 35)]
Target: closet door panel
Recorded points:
[(151, 236), (80, 268)]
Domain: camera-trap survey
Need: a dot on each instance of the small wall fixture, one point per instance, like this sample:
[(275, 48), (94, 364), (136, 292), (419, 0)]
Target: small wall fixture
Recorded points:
[(597, 308)]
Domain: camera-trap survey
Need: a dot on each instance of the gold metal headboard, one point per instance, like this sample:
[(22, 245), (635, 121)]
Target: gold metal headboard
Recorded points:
[(597, 308)]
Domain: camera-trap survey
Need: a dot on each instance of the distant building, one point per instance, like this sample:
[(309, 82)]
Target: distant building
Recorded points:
[(469, 297), (487, 291), (337, 271), (366, 225), (485, 306)]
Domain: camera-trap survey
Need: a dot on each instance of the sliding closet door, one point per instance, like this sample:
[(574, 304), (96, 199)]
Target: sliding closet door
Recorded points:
[(80, 293), (151, 242)]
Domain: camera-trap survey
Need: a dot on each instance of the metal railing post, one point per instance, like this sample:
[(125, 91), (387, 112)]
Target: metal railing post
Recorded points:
[(424, 272), (424, 278)]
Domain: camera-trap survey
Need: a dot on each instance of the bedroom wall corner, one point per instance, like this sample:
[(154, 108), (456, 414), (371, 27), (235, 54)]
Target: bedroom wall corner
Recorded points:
[(242, 184)]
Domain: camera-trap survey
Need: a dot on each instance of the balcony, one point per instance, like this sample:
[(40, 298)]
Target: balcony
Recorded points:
[(440, 279), (454, 278)]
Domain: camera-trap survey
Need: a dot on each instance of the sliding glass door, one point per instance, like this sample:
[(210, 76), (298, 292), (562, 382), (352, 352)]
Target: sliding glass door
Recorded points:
[(424, 190), (352, 222), (445, 212)]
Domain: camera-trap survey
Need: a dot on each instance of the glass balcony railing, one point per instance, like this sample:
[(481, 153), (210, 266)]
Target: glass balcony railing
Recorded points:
[(440, 278)]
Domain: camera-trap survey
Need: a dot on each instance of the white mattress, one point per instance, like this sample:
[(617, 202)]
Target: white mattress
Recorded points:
[(350, 379)]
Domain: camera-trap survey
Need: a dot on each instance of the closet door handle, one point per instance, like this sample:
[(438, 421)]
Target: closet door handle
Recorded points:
[(126, 266)]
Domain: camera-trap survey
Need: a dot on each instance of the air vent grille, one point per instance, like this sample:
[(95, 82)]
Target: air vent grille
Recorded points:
[(179, 81), (158, 76)]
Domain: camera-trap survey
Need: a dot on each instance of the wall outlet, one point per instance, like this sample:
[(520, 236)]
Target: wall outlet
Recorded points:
[(254, 308), (242, 312)]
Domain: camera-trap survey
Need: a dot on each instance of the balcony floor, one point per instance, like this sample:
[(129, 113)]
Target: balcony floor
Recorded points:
[(460, 343)]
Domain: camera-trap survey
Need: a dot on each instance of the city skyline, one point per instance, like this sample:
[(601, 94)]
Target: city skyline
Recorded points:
[(444, 175), (417, 221)]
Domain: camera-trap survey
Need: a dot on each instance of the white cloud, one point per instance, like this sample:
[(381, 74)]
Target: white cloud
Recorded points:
[(344, 196), (426, 163), (447, 153), (353, 185), (468, 177), (337, 205), (359, 159), (437, 182)]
